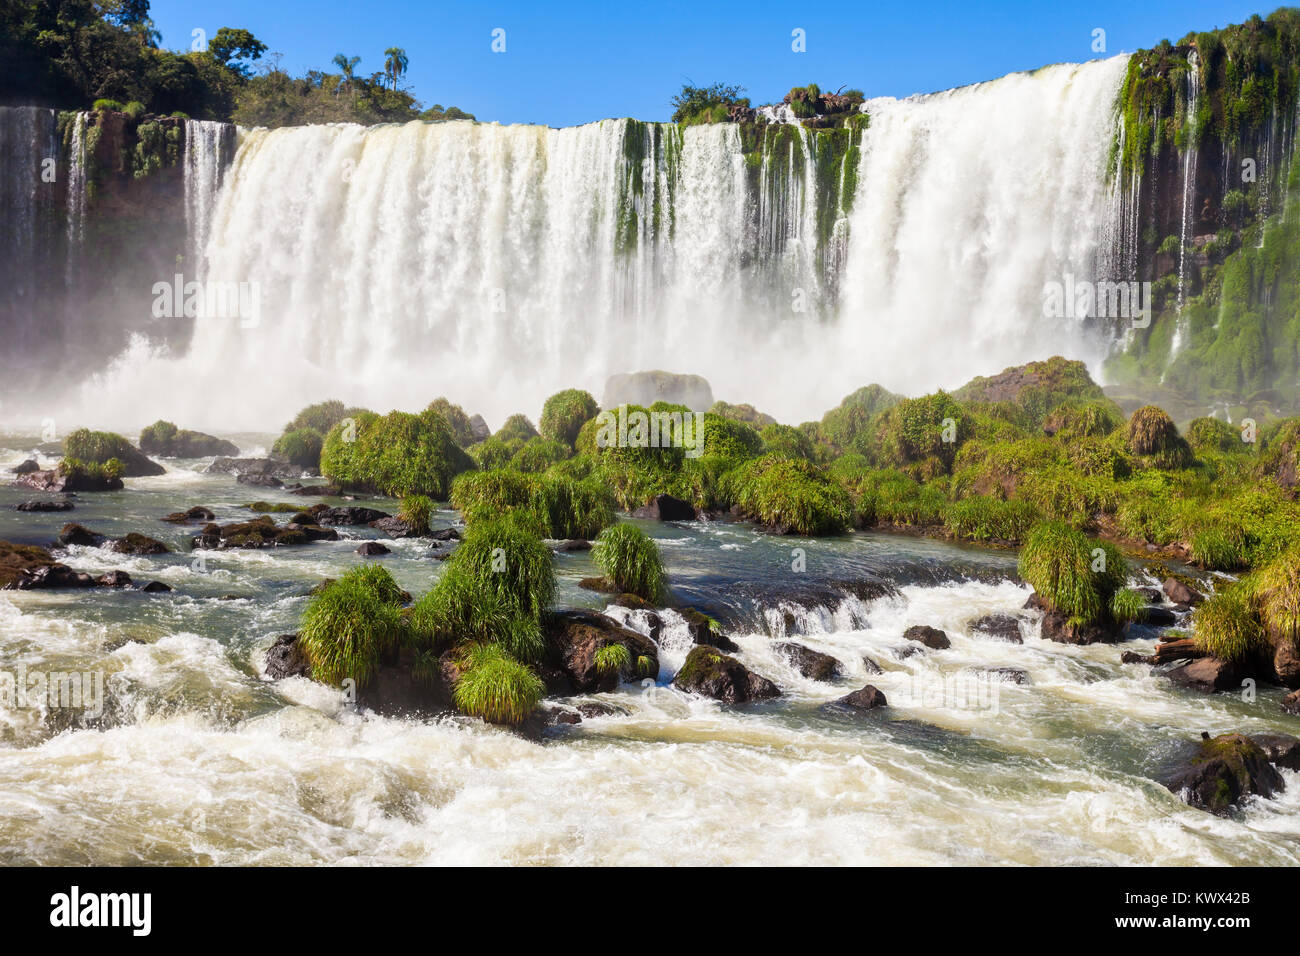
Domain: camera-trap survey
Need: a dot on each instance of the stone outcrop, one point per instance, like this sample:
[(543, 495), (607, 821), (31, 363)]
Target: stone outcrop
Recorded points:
[(710, 673)]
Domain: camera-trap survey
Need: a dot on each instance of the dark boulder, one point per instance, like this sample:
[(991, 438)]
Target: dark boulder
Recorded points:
[(1291, 703), (259, 481), (156, 587), (114, 579), (1180, 593), (478, 428), (197, 513), (599, 708), (868, 698), (61, 576), (393, 527), (703, 631), (54, 480), (1221, 771), (284, 658), (811, 664), (1001, 627), (261, 532), (347, 515), (574, 636), (46, 504), (445, 534), (372, 548), (569, 545), (1057, 627), (79, 535), (711, 673), (274, 467), (929, 636), (1282, 750), (1286, 665), (1208, 675), (316, 491), (1155, 615), (136, 543), (183, 443), (400, 689), (16, 560), (25, 467), (871, 666), (666, 508)]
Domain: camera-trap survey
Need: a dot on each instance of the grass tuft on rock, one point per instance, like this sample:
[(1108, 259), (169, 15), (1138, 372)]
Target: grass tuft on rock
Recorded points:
[(495, 686), (350, 624), (631, 562)]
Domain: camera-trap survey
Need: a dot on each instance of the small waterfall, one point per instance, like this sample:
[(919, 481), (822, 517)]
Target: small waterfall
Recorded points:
[(76, 201), (1190, 150), (206, 153), (28, 183)]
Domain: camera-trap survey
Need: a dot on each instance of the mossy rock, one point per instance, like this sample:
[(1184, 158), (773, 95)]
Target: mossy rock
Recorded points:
[(18, 558), (1222, 771), (711, 673)]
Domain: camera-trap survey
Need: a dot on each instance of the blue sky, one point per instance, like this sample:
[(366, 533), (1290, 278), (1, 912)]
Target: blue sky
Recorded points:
[(569, 63)]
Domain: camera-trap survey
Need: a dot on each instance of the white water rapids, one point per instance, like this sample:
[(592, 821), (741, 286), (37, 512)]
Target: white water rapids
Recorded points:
[(498, 264)]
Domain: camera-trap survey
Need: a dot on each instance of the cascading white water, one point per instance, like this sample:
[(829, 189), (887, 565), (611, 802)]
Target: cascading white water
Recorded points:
[(28, 145), (1189, 192), (204, 161), (76, 202), (498, 264)]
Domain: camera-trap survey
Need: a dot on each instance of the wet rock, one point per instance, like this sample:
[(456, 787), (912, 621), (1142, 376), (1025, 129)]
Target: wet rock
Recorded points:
[(284, 658), (1208, 675), (273, 466), (1001, 627), (703, 630), (666, 508), (114, 579), (347, 515), (1011, 675), (399, 689), (1133, 657), (157, 587), (1057, 627), (555, 715), (445, 534), (811, 664), (260, 481), (316, 491), (79, 535), (136, 543), (261, 532), (868, 698), (195, 514), (573, 637), (25, 467), (1291, 703), (599, 708), (568, 545), (597, 584), (1151, 595), (46, 504), (19, 559), (908, 650), (172, 442), (55, 481), (1154, 615), (871, 666), (931, 637), (61, 576), (372, 548), (478, 428), (711, 673), (1220, 772), (1286, 665), (1180, 593), (1282, 750)]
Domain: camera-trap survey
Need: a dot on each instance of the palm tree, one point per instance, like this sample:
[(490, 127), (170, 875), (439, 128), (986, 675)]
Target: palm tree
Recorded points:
[(348, 65), (395, 63)]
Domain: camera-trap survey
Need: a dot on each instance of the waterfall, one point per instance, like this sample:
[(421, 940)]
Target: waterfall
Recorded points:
[(1189, 191), (28, 182), (76, 199), (206, 153), (498, 264)]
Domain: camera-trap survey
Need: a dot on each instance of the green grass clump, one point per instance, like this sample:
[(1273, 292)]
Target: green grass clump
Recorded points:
[(847, 427), (417, 512), (505, 556), (1221, 545), (985, 518), (89, 446), (613, 659), (791, 495), (786, 441), (302, 447), (456, 611), (1058, 561), (917, 429), (495, 686), (1153, 436), (899, 499), (561, 506), (1227, 625), (320, 417), (516, 428), (456, 420), (396, 455), (630, 561), (1278, 593), (564, 414), (729, 438), (1211, 434), (1127, 605), (1094, 419), (350, 624), (106, 105), (92, 472), (538, 454)]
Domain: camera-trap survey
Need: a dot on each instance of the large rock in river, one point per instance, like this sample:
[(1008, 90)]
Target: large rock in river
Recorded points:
[(1222, 771), (710, 673), (573, 638)]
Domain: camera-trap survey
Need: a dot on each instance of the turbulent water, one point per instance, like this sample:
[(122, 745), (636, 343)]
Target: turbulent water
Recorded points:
[(497, 264), (199, 758)]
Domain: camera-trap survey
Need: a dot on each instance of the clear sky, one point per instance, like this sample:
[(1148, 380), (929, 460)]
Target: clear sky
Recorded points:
[(575, 62)]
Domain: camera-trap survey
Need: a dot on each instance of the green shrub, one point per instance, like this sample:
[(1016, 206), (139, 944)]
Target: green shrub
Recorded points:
[(341, 458), (505, 556), (417, 512), (1059, 562), (135, 109), (320, 417), (902, 500), (1153, 435), (564, 414), (1211, 434), (456, 420), (1127, 605), (350, 624), (630, 561), (494, 452), (1278, 595), (560, 506), (1226, 625), (790, 495), (786, 441), (1094, 419), (984, 518), (728, 438), (848, 425), (538, 454), (92, 472), (516, 428), (397, 455), (1221, 545), (456, 611), (495, 686), (106, 105), (301, 447), (916, 429)]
